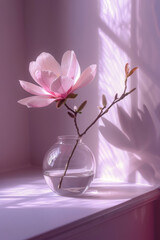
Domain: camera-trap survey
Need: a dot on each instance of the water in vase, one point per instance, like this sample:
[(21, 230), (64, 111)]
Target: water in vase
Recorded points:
[(74, 182)]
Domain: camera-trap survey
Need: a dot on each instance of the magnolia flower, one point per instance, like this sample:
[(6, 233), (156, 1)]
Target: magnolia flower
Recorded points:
[(55, 81)]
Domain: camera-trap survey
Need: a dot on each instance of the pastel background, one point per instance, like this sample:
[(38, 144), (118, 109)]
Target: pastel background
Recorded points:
[(110, 33)]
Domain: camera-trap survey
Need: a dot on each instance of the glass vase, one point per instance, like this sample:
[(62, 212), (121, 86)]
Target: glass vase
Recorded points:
[(80, 171)]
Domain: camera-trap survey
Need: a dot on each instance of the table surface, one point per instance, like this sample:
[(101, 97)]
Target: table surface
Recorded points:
[(28, 208)]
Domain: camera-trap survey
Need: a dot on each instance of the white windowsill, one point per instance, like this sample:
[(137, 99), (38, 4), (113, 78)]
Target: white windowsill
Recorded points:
[(29, 209)]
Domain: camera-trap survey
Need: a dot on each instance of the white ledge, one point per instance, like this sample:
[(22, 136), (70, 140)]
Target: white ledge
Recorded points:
[(30, 210)]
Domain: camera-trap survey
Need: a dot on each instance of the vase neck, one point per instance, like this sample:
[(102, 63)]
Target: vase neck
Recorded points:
[(69, 139)]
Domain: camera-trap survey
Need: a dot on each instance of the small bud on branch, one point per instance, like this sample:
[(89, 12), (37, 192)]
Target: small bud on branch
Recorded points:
[(128, 73), (60, 103), (71, 114), (72, 95), (127, 69), (82, 106), (132, 71), (104, 100), (116, 96)]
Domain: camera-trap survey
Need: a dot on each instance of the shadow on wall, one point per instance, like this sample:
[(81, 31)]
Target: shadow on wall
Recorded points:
[(140, 139)]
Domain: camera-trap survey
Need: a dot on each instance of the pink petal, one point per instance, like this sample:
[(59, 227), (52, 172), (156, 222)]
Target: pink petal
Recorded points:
[(48, 63), (45, 79), (70, 66), (86, 77), (62, 85), (32, 88), (36, 101), (33, 67)]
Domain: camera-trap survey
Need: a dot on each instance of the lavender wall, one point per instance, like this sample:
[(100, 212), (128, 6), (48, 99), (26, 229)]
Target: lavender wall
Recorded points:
[(108, 33), (29, 28), (14, 134), (130, 137), (57, 26)]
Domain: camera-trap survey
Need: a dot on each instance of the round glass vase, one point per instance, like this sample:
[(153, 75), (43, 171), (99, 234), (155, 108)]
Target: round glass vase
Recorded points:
[(80, 171)]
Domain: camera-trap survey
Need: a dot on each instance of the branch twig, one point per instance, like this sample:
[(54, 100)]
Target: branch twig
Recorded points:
[(103, 111), (67, 164)]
